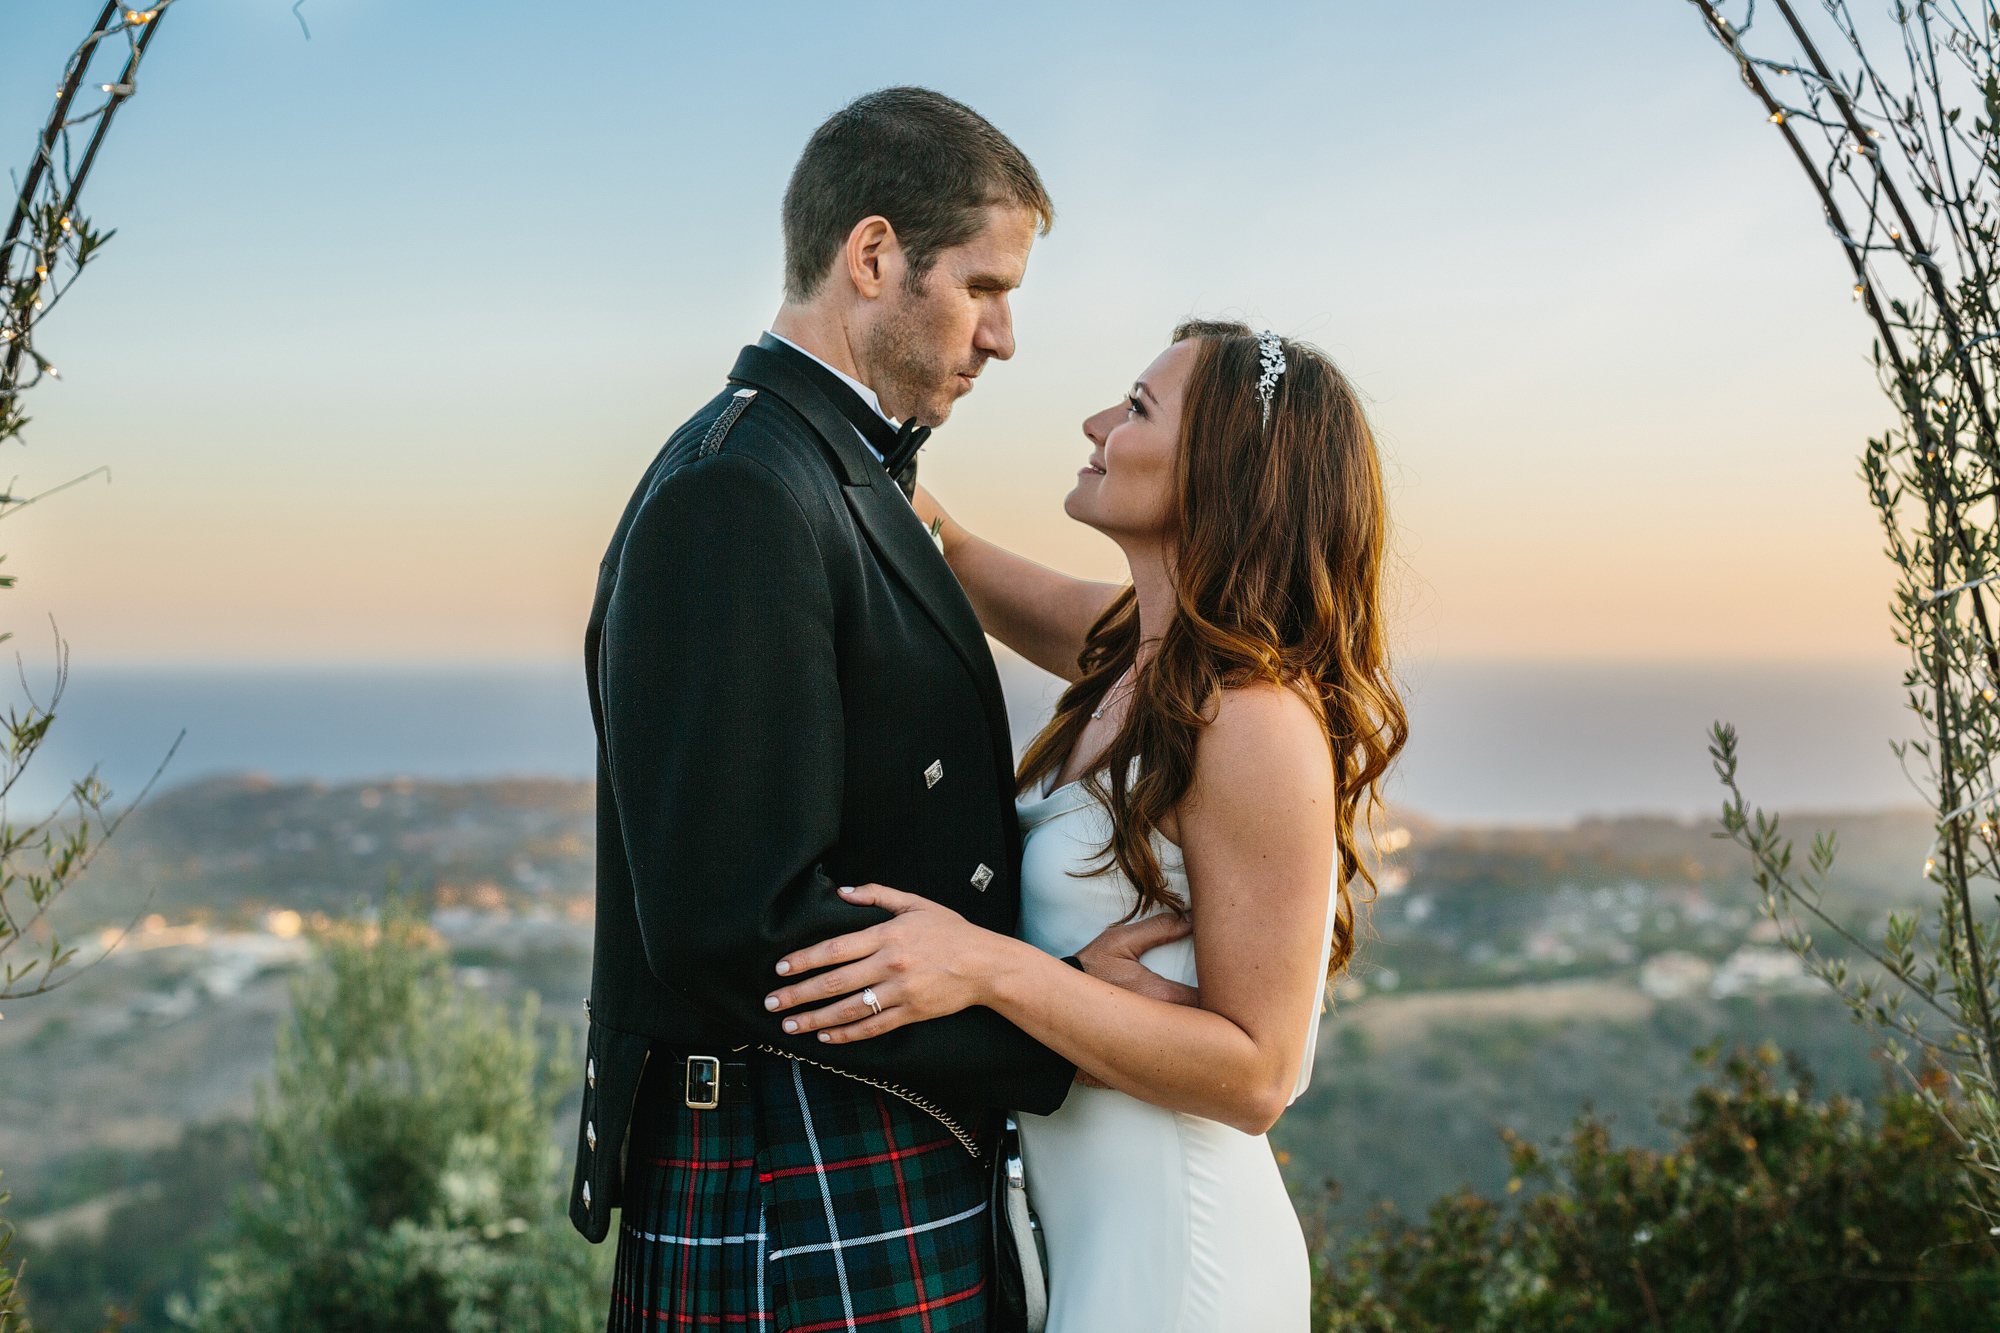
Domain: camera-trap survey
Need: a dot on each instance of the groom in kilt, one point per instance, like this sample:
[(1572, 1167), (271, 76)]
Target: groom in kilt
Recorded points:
[(791, 694)]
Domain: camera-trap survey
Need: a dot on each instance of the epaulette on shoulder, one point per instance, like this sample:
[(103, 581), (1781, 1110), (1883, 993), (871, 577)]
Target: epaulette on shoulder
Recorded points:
[(732, 412)]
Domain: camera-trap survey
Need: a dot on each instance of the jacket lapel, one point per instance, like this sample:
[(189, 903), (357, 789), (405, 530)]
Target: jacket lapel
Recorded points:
[(894, 530)]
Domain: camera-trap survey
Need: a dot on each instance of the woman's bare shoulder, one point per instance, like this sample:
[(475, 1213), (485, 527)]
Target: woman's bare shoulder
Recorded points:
[(1264, 737)]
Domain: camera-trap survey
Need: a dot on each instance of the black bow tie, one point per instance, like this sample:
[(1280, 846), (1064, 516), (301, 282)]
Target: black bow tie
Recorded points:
[(901, 462), (897, 448)]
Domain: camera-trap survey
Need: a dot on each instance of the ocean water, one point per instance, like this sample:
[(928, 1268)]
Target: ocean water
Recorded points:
[(1553, 741), (1490, 742)]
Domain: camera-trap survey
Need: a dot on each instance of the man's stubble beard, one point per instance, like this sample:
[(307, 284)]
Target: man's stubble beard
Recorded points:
[(903, 346)]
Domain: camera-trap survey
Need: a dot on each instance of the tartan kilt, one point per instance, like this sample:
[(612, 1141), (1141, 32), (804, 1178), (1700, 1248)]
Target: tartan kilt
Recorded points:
[(821, 1204)]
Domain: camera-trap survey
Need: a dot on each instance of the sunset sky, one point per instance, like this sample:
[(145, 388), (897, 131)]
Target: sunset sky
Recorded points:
[(396, 315)]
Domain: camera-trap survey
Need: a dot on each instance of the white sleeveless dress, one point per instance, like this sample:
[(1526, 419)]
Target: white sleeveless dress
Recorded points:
[(1156, 1221)]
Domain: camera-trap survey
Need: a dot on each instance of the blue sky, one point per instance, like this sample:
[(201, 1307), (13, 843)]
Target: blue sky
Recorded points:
[(396, 315)]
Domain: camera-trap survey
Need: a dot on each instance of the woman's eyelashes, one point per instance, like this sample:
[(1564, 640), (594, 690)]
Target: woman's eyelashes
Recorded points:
[(1134, 406)]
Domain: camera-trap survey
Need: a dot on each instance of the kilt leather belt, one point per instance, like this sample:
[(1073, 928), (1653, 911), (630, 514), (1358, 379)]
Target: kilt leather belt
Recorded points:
[(708, 1081)]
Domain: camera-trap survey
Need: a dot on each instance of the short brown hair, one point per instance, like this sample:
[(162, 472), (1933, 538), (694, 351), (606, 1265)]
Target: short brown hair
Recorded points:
[(928, 164)]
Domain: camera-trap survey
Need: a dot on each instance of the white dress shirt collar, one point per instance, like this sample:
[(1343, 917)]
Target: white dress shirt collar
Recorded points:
[(867, 394)]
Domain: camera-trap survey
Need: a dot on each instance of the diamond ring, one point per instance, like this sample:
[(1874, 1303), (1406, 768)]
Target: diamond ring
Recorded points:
[(868, 998)]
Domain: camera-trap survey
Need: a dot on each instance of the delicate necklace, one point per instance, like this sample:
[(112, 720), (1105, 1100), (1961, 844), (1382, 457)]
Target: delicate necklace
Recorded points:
[(1111, 695)]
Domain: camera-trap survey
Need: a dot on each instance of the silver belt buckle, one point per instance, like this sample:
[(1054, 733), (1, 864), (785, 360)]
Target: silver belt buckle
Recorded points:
[(702, 1088)]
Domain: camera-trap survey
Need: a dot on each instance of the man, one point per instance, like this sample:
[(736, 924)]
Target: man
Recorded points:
[(792, 694)]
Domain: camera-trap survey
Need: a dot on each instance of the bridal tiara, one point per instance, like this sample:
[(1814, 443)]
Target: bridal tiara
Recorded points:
[(1271, 355)]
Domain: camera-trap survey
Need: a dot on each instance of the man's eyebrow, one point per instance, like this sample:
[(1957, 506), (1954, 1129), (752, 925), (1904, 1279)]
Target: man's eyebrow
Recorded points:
[(993, 282)]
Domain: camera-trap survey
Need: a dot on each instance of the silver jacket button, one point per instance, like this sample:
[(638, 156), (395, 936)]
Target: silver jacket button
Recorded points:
[(586, 1194), (590, 1073), (590, 1135), (982, 877), (933, 774)]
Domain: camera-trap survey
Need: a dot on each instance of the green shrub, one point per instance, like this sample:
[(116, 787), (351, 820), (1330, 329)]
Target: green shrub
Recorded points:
[(407, 1178), (13, 1315), (1773, 1211)]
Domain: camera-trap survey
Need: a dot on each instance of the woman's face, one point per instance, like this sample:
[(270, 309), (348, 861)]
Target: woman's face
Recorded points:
[(1125, 490)]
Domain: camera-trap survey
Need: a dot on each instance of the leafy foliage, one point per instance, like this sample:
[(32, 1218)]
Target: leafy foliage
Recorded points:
[(1774, 1211), (42, 253), (1901, 142), (48, 242), (13, 1313), (40, 856), (407, 1175)]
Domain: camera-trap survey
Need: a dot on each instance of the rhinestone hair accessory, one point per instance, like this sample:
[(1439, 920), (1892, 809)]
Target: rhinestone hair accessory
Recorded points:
[(1271, 355)]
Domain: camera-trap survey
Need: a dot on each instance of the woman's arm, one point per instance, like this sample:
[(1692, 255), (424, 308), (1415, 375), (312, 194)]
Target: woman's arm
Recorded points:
[(1257, 829), (1040, 614)]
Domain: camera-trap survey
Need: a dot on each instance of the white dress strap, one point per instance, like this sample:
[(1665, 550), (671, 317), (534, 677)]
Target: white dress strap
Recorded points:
[(1305, 1077)]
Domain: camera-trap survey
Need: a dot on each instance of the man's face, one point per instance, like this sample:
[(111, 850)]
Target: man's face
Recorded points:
[(925, 348)]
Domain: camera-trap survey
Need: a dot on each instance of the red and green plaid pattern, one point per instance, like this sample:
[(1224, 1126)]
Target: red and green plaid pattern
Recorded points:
[(825, 1206)]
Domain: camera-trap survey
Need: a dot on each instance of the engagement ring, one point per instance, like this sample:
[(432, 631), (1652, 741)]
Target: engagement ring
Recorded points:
[(868, 998)]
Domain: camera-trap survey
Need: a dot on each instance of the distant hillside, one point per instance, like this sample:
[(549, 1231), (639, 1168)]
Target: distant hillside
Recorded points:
[(1508, 977), (1478, 907), (1411, 1090), (1881, 853), (231, 847)]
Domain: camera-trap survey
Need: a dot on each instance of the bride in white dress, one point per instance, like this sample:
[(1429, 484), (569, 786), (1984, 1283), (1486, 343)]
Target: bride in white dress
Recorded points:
[(1155, 1219), (1229, 717)]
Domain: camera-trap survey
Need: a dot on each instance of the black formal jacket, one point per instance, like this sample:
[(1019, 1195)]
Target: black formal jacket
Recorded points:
[(791, 693)]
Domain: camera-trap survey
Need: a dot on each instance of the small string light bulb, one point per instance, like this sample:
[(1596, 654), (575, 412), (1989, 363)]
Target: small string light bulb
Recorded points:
[(1777, 117), (1858, 288), (1930, 864)]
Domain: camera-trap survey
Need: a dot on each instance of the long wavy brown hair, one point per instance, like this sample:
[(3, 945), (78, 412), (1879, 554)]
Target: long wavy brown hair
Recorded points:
[(1277, 533)]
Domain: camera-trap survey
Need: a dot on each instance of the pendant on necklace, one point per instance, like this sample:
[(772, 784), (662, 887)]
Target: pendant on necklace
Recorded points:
[(1110, 696)]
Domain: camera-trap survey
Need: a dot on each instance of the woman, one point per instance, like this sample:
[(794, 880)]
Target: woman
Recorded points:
[(1230, 713)]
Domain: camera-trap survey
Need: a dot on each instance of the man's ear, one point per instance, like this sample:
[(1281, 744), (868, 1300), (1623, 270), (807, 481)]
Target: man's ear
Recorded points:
[(874, 256)]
